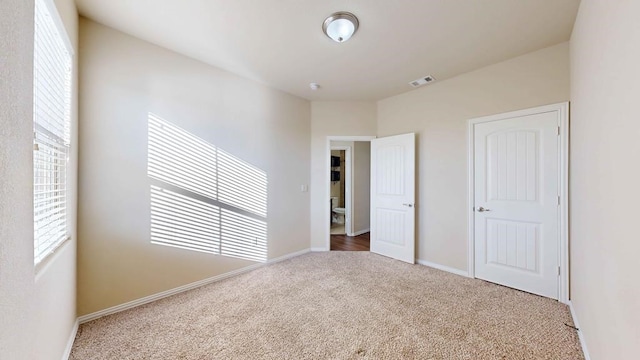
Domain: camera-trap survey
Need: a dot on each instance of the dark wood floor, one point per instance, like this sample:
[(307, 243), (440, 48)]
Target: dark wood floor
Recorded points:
[(350, 243)]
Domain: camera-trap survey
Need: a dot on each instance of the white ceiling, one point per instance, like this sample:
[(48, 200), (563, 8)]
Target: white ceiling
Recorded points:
[(280, 42)]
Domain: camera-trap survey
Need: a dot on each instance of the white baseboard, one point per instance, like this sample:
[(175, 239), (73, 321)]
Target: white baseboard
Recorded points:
[(442, 267), (72, 338), (147, 299), (583, 344), (286, 257), (359, 232), (319, 249)]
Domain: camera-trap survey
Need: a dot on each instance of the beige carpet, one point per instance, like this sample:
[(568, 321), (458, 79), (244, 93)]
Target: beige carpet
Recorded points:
[(338, 305)]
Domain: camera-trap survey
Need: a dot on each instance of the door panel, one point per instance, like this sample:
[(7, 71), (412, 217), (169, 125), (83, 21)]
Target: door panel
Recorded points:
[(512, 157), (516, 202), (393, 197), (513, 244), (391, 224), (390, 170)]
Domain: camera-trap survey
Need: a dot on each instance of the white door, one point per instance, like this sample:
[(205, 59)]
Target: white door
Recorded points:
[(516, 167), (393, 197)]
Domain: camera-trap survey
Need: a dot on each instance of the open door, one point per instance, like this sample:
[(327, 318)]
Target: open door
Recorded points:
[(393, 197)]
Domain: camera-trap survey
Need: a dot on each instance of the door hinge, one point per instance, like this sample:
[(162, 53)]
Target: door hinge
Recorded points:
[(558, 270), (558, 130), (558, 200)]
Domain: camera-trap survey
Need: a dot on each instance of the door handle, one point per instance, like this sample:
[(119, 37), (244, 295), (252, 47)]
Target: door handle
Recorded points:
[(408, 205), (481, 209)]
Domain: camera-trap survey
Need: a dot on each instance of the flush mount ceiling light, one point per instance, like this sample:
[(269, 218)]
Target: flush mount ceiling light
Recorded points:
[(340, 26)]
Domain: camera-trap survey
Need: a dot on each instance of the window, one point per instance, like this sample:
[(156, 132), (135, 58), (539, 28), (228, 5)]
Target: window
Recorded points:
[(51, 129)]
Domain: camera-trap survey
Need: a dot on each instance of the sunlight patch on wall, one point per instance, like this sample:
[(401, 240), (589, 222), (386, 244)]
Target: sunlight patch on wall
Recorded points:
[(179, 158), (242, 236), (203, 198), (241, 185), (183, 222)]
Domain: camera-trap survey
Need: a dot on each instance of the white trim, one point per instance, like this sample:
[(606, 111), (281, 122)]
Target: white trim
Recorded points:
[(147, 299), (563, 122), (563, 217), (583, 343), (72, 339), (471, 255), (350, 138), (319, 249), (360, 232), (327, 175), (442, 267)]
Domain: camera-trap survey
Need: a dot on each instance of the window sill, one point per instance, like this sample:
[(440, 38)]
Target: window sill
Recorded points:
[(47, 260)]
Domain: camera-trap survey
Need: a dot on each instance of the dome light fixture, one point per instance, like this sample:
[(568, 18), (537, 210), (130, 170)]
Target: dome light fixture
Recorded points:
[(340, 26)]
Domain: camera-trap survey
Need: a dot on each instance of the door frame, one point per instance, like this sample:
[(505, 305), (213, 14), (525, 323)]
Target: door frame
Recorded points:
[(563, 185), (327, 187)]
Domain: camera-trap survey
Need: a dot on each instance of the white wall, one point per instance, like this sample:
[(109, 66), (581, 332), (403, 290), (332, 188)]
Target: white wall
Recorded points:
[(361, 185), (332, 118), (16, 208), (439, 112), (37, 306), (605, 177), (122, 80)]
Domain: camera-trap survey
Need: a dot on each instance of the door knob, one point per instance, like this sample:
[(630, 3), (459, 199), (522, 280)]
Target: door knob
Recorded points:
[(481, 209), (409, 205)]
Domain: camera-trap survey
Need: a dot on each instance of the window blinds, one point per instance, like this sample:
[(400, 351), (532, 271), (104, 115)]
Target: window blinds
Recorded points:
[(52, 121)]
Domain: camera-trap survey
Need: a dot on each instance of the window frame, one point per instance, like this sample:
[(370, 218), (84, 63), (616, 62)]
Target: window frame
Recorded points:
[(60, 32)]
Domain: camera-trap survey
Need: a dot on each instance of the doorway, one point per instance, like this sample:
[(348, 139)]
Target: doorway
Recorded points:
[(390, 195), (349, 193), (518, 196)]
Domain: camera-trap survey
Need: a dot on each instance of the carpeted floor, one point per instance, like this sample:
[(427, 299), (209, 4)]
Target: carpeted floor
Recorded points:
[(338, 305)]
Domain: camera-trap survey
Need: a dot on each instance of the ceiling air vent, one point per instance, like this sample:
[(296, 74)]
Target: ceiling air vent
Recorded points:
[(423, 80)]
